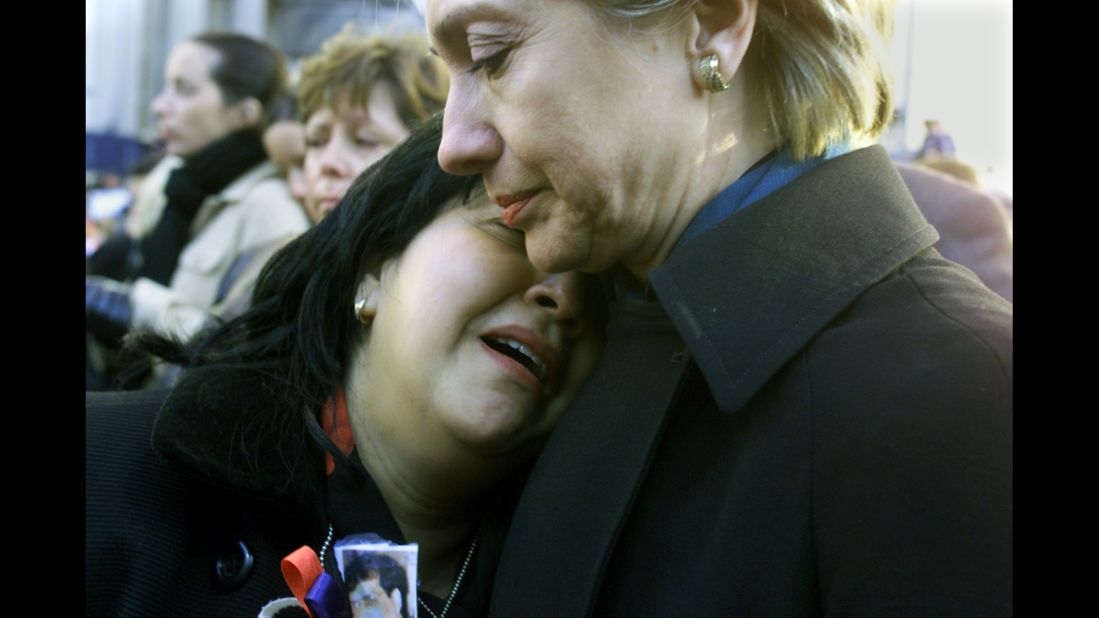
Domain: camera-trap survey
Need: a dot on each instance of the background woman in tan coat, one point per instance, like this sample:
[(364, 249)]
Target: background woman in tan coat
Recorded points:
[(223, 199)]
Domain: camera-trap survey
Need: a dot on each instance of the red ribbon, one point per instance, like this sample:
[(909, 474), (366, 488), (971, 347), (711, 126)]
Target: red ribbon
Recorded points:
[(300, 569)]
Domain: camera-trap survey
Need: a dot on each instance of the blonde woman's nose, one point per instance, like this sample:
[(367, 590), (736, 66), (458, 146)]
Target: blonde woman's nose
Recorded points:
[(470, 144)]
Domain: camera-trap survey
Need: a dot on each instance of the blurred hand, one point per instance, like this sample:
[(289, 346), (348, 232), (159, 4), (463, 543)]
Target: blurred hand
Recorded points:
[(107, 308)]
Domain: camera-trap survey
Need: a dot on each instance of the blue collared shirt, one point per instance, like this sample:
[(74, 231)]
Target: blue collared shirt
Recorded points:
[(758, 182), (771, 173)]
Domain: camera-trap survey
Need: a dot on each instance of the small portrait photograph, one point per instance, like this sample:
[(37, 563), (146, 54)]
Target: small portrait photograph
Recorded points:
[(379, 579)]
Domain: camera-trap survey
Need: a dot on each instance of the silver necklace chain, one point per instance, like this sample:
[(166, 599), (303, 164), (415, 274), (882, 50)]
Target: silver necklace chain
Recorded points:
[(324, 548), (457, 581)]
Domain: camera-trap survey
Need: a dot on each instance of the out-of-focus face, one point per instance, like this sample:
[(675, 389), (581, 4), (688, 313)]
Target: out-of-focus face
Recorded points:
[(284, 142), (341, 143), (575, 124), (471, 347), (369, 600), (190, 111)]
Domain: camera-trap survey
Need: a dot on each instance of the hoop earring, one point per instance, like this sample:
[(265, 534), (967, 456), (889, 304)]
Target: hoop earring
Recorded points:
[(710, 74), (360, 311)]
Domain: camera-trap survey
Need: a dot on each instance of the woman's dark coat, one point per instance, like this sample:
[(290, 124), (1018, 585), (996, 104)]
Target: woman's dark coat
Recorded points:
[(814, 419), (180, 485)]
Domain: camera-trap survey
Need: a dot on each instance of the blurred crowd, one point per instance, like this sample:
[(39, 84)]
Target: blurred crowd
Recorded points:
[(246, 162)]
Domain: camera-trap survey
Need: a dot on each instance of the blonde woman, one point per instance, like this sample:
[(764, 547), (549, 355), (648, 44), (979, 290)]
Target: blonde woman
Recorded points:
[(802, 409)]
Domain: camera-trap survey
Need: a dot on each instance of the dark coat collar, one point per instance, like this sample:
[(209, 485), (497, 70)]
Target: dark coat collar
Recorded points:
[(787, 266), (744, 296), (228, 427)]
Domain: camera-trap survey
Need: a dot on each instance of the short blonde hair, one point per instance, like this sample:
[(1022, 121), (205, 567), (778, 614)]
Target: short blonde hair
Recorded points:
[(818, 64), (350, 63)]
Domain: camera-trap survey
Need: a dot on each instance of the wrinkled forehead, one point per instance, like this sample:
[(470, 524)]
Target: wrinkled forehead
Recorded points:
[(447, 19)]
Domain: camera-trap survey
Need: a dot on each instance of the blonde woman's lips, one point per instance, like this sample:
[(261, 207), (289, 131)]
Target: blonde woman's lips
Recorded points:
[(513, 205)]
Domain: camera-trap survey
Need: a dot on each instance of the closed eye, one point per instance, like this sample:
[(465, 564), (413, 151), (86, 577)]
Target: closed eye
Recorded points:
[(489, 65), (184, 88)]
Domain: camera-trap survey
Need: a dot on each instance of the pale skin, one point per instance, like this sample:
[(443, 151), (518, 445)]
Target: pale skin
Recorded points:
[(439, 421), (605, 143), (285, 145), (191, 111), (343, 141)]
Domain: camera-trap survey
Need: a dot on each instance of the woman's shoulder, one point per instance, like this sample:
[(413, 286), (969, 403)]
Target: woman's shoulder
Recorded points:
[(163, 539), (135, 505), (918, 368), (929, 320), (912, 431), (254, 210), (230, 425), (123, 470), (118, 424), (263, 186), (265, 206)]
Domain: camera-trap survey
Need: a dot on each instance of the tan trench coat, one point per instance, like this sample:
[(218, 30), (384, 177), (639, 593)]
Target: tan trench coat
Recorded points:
[(254, 210)]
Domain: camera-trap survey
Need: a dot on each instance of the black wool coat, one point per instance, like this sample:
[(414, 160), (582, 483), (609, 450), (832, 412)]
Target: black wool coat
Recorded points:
[(813, 417), (185, 487)]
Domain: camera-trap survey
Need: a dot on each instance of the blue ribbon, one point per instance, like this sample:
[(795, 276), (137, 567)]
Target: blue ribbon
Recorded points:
[(325, 598)]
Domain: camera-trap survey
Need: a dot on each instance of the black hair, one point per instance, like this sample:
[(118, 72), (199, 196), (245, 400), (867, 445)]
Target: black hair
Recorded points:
[(247, 68), (301, 327), (391, 574)]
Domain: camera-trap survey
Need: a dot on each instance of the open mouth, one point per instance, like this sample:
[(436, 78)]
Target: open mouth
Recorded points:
[(520, 352)]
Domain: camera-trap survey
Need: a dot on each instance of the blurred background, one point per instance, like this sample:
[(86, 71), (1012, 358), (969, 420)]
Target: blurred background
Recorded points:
[(127, 43), (952, 63)]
